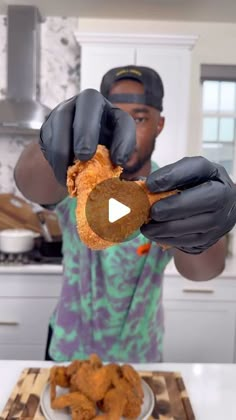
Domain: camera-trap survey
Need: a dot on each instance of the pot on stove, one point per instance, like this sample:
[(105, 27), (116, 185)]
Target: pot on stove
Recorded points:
[(17, 240)]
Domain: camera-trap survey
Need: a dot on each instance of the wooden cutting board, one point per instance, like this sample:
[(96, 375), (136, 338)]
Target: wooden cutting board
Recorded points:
[(16, 213), (171, 402)]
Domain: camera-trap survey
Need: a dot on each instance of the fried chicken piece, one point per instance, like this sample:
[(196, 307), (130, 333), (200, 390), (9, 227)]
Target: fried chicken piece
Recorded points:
[(83, 177), (94, 383), (122, 400), (114, 403), (95, 361), (73, 383), (125, 398), (73, 367), (72, 370), (58, 376), (78, 414), (130, 374), (132, 407), (82, 408)]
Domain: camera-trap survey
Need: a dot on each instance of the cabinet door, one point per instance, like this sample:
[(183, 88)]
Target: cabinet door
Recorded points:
[(25, 321), (22, 352), (96, 60), (199, 331), (173, 65)]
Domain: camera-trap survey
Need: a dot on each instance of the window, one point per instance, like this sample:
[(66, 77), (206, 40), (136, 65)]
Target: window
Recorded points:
[(219, 115)]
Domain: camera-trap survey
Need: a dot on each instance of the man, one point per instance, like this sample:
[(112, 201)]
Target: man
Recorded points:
[(111, 300)]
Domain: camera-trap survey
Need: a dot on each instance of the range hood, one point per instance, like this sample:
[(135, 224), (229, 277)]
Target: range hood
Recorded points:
[(22, 112)]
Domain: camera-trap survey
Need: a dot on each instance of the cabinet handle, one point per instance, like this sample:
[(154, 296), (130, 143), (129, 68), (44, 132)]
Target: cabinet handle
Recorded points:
[(9, 323), (203, 291)]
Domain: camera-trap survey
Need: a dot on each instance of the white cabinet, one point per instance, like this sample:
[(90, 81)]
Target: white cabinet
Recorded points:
[(200, 320), (24, 320), (170, 56), (173, 65), (96, 60), (27, 301), (199, 331), (200, 317)]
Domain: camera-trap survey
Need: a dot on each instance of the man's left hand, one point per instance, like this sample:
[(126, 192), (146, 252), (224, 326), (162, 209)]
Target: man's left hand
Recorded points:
[(200, 214)]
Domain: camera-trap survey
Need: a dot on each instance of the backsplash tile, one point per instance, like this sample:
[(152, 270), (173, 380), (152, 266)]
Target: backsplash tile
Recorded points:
[(60, 61), (10, 149), (60, 65)]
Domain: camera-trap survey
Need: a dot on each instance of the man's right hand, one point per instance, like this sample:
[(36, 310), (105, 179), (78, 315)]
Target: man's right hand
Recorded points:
[(75, 128)]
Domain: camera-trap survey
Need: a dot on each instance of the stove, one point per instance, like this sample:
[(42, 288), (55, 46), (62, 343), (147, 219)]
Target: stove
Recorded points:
[(33, 257)]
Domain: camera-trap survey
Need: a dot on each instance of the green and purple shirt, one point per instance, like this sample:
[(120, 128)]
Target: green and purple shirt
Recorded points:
[(111, 300)]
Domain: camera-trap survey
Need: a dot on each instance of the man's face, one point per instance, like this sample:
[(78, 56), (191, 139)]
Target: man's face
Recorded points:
[(149, 124)]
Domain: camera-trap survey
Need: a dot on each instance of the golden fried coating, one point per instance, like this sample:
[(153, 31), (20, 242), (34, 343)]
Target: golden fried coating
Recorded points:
[(114, 403), (95, 361), (73, 367), (83, 177), (73, 383), (131, 376), (81, 415), (101, 392), (82, 408), (94, 383), (126, 397), (58, 376), (132, 408)]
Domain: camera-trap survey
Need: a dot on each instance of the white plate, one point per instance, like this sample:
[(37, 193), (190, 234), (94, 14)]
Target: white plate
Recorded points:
[(51, 414)]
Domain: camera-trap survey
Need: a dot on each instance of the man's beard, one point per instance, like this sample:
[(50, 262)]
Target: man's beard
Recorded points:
[(140, 161)]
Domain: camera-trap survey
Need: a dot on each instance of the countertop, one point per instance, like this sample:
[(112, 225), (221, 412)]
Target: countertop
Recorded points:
[(31, 269), (211, 387), (229, 271)]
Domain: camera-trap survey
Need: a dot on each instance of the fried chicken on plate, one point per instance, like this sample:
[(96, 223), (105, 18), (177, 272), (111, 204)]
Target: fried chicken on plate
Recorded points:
[(98, 392)]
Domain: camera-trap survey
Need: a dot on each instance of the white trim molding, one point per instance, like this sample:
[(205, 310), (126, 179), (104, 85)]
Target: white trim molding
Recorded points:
[(169, 40)]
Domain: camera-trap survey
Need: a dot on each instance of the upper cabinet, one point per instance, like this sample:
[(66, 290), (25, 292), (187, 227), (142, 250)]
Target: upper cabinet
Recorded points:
[(96, 60), (169, 55)]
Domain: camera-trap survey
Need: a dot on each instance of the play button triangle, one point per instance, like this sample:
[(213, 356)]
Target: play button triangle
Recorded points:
[(116, 210)]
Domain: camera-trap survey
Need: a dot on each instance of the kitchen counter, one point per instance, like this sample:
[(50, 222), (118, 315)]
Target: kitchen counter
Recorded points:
[(31, 269), (229, 271), (211, 387)]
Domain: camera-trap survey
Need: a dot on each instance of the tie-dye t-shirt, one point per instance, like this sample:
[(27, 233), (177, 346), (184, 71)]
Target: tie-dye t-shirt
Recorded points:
[(111, 300)]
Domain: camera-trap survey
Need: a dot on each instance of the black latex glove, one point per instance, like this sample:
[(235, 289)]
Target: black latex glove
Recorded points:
[(200, 214), (75, 128)]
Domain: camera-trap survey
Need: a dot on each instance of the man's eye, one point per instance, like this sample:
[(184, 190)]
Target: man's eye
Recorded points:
[(140, 120)]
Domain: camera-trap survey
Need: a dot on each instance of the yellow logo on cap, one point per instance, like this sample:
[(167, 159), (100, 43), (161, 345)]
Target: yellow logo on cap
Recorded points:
[(125, 71)]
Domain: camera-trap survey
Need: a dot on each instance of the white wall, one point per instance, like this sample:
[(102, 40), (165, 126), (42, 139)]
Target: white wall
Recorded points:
[(216, 44)]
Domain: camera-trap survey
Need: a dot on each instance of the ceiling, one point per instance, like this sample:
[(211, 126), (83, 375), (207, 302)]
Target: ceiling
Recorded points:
[(185, 10)]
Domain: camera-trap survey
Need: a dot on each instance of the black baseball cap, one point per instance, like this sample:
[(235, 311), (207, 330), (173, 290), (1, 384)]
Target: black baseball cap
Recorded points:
[(150, 79)]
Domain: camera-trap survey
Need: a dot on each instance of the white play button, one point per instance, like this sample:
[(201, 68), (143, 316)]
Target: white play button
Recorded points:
[(116, 210)]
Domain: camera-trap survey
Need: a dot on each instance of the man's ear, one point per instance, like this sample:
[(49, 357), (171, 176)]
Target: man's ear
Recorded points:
[(160, 125)]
